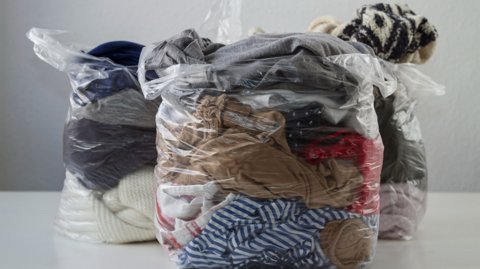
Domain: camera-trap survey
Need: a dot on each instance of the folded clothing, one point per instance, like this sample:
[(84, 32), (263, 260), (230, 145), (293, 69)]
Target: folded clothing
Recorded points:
[(188, 48), (404, 177), (402, 207), (111, 132), (123, 214), (282, 233), (100, 154), (393, 31), (118, 72), (117, 78), (109, 138), (241, 65), (121, 52), (404, 157), (127, 107)]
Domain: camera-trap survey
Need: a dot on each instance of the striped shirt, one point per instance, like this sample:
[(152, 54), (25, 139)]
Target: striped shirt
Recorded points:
[(268, 232)]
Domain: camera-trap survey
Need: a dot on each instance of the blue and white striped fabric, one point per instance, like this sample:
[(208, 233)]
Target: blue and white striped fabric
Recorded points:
[(270, 232)]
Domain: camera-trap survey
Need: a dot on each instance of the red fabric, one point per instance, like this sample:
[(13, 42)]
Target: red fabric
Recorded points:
[(368, 157)]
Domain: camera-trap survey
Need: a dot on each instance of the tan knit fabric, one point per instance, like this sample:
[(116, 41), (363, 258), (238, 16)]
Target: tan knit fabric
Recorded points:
[(324, 24), (347, 242)]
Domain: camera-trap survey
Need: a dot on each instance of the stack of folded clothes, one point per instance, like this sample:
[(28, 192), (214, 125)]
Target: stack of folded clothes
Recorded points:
[(109, 143), (269, 152), (401, 37)]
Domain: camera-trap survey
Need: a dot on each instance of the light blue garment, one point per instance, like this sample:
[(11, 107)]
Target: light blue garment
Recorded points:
[(270, 232)]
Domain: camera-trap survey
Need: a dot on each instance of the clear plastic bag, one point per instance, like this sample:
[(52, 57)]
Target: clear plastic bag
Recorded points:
[(404, 173), (272, 160), (403, 192), (109, 137), (222, 23), (109, 142)]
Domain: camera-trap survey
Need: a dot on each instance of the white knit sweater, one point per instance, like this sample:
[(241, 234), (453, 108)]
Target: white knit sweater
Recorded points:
[(122, 215)]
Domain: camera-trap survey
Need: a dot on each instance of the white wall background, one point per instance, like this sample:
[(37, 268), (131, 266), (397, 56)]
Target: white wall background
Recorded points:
[(34, 96)]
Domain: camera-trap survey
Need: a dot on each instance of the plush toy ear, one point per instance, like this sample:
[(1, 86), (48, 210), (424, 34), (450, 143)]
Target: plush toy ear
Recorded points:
[(255, 30), (324, 24)]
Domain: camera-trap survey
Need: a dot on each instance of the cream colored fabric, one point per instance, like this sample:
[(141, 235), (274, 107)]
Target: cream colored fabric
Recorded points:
[(122, 215), (324, 24), (255, 30)]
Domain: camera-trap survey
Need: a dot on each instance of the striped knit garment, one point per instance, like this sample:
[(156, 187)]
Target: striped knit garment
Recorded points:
[(268, 232), (392, 30)]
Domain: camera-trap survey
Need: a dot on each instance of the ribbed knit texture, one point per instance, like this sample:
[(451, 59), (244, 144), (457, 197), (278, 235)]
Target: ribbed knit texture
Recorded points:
[(122, 215)]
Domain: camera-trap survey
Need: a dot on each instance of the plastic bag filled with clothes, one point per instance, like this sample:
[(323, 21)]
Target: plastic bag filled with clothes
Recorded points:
[(403, 189), (269, 151), (108, 144), (403, 38)]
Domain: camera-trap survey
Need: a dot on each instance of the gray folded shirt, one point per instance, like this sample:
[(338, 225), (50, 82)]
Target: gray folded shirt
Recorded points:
[(127, 107)]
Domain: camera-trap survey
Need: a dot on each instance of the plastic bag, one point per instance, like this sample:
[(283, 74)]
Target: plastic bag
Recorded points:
[(222, 23), (265, 158), (109, 136), (403, 192), (109, 142), (404, 172)]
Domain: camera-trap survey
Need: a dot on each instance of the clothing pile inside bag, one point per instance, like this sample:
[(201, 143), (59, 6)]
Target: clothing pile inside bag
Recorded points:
[(402, 38), (108, 143), (269, 150), (253, 153)]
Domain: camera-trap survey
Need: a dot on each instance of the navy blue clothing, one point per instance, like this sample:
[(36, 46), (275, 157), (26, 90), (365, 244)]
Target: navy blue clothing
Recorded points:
[(118, 79), (121, 52), (306, 124), (121, 75)]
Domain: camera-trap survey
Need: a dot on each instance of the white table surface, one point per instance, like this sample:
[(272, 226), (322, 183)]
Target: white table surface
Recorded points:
[(449, 237)]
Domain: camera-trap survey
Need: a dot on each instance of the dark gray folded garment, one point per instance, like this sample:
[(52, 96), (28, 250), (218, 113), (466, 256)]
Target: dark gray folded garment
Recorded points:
[(127, 107), (185, 48), (100, 154), (258, 61), (263, 46), (404, 157)]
